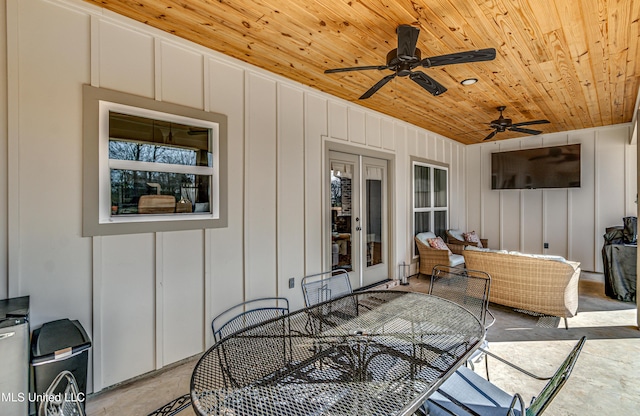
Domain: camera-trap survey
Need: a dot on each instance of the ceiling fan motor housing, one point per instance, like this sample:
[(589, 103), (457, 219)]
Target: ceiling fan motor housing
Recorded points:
[(402, 65)]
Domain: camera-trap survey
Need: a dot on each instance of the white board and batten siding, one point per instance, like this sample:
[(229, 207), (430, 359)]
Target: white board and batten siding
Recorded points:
[(572, 221)]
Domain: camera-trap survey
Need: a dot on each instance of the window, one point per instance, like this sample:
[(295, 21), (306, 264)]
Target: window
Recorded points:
[(151, 166), (430, 198)]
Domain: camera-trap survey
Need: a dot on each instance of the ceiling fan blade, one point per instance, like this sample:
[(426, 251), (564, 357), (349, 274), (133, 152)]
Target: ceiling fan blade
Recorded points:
[(378, 85), (356, 68), (528, 123), (521, 130), (490, 136), (479, 55), (428, 83), (407, 39)]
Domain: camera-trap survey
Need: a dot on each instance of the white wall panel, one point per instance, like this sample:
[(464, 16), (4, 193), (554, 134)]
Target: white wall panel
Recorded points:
[(556, 222), (126, 60), (404, 234), (182, 295), (226, 96), (181, 75), (422, 140), (491, 218), (474, 192), (532, 221), (260, 196), (387, 131), (315, 127), (373, 133), (509, 208), (128, 307), (583, 240), (290, 192), (337, 118), (53, 264), (356, 125), (431, 150), (412, 141), (610, 155)]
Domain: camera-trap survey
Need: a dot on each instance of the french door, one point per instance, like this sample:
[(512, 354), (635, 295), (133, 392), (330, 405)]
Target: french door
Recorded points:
[(359, 217)]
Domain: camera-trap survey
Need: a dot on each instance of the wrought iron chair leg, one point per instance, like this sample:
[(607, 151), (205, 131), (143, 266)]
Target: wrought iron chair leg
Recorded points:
[(566, 323)]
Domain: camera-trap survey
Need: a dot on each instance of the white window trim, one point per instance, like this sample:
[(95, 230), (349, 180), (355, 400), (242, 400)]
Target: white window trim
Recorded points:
[(97, 218)]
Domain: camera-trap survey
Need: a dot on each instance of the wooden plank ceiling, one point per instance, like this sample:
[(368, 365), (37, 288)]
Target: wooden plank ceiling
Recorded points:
[(573, 62)]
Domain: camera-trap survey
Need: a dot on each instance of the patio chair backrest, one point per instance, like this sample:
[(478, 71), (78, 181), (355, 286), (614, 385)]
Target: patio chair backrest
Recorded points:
[(321, 287), (549, 392), (67, 403), (468, 288), (246, 314)]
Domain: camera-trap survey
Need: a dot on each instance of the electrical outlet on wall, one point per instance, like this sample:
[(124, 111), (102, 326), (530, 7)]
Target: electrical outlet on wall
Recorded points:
[(546, 245), (292, 283)]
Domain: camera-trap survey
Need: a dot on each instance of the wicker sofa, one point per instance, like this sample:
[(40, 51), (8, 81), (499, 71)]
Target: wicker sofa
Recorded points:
[(542, 284), (430, 257)]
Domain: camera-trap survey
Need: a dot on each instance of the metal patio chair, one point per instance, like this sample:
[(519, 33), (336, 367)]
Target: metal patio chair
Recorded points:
[(62, 397), (467, 393), (246, 314), (321, 287), (469, 289)]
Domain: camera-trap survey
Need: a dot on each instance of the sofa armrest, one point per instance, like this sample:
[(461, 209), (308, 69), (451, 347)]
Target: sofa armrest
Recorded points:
[(456, 248)]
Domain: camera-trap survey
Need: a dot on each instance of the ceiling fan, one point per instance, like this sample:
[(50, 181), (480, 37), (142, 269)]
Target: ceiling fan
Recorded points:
[(406, 57), (502, 124)]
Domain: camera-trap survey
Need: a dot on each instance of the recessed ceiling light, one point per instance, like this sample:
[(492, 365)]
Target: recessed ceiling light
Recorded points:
[(469, 81)]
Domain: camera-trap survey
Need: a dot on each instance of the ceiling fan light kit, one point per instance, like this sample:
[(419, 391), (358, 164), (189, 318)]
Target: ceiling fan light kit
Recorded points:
[(469, 81), (404, 60)]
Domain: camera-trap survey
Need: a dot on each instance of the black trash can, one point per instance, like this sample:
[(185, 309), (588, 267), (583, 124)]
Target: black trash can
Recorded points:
[(57, 346)]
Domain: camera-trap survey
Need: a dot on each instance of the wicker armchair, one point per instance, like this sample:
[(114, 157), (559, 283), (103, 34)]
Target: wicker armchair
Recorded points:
[(430, 257), (456, 241)]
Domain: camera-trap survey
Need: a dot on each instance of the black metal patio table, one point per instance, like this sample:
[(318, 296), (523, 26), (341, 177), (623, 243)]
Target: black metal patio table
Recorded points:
[(368, 353)]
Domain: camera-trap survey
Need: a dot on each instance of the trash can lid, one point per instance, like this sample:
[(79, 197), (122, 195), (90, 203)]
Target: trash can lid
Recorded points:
[(58, 340)]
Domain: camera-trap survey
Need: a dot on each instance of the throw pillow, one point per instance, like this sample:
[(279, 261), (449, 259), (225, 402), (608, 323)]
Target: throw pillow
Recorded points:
[(472, 237), (438, 243)]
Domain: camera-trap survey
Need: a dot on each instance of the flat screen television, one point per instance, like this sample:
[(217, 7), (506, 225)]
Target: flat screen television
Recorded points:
[(544, 167)]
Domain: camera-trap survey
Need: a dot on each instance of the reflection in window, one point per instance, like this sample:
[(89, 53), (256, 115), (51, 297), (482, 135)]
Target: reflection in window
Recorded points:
[(374, 222), (159, 167), (422, 186), (341, 244)]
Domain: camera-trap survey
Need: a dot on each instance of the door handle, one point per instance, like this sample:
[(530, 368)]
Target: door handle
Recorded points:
[(6, 335), (358, 228)]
